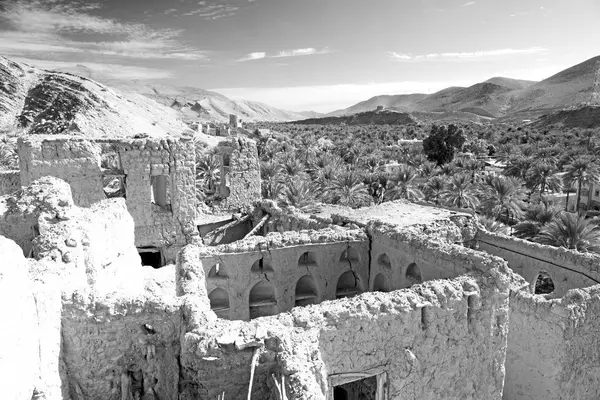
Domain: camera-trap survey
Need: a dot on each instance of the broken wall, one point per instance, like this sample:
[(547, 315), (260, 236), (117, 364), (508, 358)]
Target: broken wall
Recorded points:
[(10, 182), (568, 269), (553, 348), (240, 173)]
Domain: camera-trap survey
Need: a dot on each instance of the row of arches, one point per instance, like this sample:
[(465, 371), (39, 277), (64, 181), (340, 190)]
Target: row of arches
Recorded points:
[(262, 300)]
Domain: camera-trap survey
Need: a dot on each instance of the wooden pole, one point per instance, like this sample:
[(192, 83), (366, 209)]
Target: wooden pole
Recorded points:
[(257, 227)]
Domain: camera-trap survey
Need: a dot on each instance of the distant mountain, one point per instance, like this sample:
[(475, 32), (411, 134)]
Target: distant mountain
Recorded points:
[(195, 104), (35, 101), (497, 97), (580, 117)]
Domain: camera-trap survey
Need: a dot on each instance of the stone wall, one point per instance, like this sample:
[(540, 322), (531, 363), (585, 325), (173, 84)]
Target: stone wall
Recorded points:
[(553, 348), (139, 162), (568, 269), (10, 182), (303, 266), (240, 173)]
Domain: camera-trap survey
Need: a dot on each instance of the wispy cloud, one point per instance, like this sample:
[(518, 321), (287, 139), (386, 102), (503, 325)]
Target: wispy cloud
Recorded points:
[(213, 11), (285, 53), (37, 28), (469, 3), (253, 56), (466, 56)]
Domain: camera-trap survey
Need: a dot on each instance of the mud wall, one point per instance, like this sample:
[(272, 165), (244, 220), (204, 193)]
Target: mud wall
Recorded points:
[(240, 176), (10, 181), (553, 348), (568, 269)]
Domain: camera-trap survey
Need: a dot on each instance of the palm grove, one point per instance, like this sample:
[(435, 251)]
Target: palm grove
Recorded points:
[(304, 165)]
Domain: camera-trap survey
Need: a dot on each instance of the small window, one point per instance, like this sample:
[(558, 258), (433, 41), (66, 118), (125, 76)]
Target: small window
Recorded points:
[(350, 255), (307, 259), (160, 190), (597, 193), (543, 284), (384, 261), (226, 160), (413, 275), (151, 256), (114, 186)]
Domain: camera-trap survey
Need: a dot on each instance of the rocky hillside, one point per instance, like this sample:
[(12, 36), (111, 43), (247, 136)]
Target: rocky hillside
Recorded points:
[(385, 117), (34, 101), (582, 117), (195, 104)]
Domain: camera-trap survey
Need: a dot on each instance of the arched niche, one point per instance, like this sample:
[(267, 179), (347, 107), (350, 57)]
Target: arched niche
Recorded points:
[(380, 284), (307, 259), (348, 285), (262, 301), (340, 393), (350, 255), (219, 302), (413, 274), (543, 283), (306, 291), (262, 266), (218, 271), (384, 261)]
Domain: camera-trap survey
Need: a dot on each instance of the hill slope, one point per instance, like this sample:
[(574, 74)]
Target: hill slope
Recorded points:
[(46, 102)]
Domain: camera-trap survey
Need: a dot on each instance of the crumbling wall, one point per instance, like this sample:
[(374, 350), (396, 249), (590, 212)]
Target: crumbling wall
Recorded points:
[(568, 269), (122, 348), (240, 176), (10, 182), (553, 348), (76, 161), (240, 267)]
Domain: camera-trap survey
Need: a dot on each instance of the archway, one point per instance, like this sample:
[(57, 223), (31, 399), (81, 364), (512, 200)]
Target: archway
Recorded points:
[(307, 259), (219, 302), (384, 261), (262, 300), (306, 291), (339, 393), (543, 283), (413, 275), (380, 284), (348, 285), (350, 255)]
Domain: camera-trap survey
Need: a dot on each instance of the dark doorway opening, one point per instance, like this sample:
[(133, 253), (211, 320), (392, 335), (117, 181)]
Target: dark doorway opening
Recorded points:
[(151, 256), (363, 389)]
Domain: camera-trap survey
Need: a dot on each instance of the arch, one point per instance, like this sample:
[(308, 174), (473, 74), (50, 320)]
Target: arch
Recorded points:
[(307, 259), (217, 271), (262, 300), (413, 274), (384, 261), (219, 302), (261, 266), (306, 291), (380, 284), (339, 393), (543, 283), (350, 254), (348, 285)]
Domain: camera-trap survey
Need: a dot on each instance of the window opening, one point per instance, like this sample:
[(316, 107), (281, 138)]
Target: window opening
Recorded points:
[(151, 256), (543, 284)]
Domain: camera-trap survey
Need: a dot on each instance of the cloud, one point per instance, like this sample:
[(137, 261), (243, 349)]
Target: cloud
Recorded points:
[(326, 98), (284, 53), (470, 3), (99, 71), (38, 28), (213, 11), (466, 56), (253, 56)]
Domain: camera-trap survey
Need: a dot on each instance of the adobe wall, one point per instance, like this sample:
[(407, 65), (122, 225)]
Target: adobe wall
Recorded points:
[(553, 349), (427, 340), (10, 182), (567, 268), (239, 269), (78, 162), (240, 180)]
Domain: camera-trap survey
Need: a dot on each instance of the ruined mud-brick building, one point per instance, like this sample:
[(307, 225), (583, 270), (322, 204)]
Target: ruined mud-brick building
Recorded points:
[(397, 301)]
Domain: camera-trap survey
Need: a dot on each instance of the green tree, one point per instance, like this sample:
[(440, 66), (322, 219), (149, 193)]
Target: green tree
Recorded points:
[(571, 231), (581, 170), (404, 185), (502, 194), (442, 143), (349, 190), (460, 193)]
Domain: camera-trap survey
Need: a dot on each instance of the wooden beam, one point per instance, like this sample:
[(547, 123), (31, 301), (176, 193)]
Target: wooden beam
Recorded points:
[(258, 226)]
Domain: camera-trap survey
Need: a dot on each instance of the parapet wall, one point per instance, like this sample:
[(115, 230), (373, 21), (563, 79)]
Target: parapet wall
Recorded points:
[(10, 182), (568, 269), (553, 348)]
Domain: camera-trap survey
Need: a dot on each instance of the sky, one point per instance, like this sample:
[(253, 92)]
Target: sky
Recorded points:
[(302, 55)]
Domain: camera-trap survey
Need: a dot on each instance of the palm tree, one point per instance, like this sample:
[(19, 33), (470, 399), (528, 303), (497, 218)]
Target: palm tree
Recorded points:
[(299, 194), (434, 188), (492, 225), (571, 231), (518, 167), (8, 155), (502, 193), (544, 176), (208, 172), (349, 190), (582, 170), (270, 179), (460, 193), (404, 185), (536, 217)]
